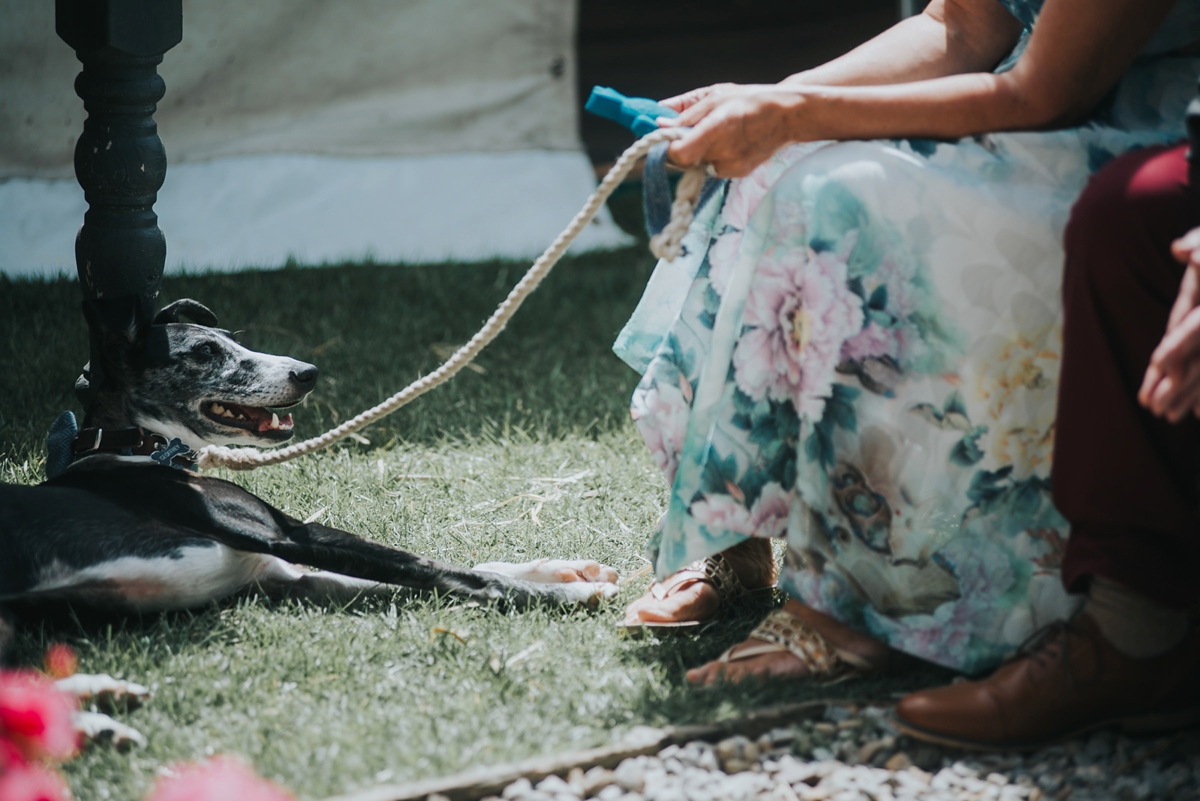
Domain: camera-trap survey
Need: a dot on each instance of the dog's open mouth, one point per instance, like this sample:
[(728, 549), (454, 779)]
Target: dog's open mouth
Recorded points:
[(258, 419)]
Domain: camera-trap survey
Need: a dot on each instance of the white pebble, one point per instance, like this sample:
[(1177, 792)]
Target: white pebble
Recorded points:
[(520, 787)]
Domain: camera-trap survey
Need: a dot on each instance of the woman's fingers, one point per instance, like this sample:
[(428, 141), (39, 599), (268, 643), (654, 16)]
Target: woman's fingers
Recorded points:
[(1180, 346), (1173, 394), (1149, 384), (689, 99), (1183, 247), (735, 136), (1188, 297), (1185, 396)]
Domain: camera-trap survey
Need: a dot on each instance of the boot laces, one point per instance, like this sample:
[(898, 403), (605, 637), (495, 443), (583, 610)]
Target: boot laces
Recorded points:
[(1053, 642)]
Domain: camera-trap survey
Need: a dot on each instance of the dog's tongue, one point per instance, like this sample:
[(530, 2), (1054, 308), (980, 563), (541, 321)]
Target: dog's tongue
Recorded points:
[(270, 421), (265, 419)]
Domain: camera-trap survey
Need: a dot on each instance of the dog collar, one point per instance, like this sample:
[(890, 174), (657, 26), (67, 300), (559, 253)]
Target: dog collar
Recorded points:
[(135, 441)]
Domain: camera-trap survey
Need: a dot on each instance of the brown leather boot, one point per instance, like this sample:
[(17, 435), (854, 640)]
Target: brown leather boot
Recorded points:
[(1069, 681)]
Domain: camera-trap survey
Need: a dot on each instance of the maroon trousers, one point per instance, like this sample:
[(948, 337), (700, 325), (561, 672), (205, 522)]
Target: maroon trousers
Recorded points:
[(1126, 480)]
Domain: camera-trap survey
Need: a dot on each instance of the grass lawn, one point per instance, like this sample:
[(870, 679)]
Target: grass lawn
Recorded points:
[(534, 455)]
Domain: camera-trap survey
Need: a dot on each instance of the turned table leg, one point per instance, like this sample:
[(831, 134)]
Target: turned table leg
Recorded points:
[(119, 159)]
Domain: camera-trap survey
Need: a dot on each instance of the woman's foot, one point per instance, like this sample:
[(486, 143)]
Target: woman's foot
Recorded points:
[(792, 652), (694, 594)]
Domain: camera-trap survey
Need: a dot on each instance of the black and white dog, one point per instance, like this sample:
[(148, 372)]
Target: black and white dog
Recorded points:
[(124, 528)]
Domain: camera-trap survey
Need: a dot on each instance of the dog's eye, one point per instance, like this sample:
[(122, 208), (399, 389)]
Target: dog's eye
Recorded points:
[(204, 349)]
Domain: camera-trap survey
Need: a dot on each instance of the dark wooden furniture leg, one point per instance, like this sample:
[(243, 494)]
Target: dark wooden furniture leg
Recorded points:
[(119, 159)]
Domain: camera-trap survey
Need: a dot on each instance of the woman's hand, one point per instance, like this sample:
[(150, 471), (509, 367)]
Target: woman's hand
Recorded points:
[(734, 128), (1171, 387), (689, 99)]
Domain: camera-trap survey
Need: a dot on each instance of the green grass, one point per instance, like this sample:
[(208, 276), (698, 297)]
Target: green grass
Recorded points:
[(536, 456)]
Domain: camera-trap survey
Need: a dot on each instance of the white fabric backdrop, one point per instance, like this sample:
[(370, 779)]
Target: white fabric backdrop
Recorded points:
[(399, 130)]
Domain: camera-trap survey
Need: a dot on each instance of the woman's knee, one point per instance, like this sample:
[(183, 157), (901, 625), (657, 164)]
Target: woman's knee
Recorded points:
[(1129, 210)]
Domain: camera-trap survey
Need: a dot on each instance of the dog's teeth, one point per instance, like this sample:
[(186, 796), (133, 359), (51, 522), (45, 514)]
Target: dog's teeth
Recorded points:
[(228, 413), (274, 420), (218, 409)]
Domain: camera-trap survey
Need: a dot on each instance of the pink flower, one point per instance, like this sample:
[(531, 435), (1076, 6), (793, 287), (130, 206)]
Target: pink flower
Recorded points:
[(32, 783), (802, 312), (767, 518), (943, 637), (746, 193), (722, 257), (10, 755), (874, 340), (60, 661), (221, 778), (661, 414), (35, 716)]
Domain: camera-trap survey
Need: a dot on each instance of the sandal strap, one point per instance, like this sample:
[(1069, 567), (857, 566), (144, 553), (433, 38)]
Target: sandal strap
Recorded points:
[(714, 570), (801, 640), (719, 573)]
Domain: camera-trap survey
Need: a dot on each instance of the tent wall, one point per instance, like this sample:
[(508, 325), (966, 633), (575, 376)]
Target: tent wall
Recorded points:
[(319, 130)]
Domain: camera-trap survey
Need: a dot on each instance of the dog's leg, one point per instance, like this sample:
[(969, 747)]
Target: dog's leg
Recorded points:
[(240, 520), (344, 553), (282, 580), (553, 571), (96, 726), (104, 691), (340, 552)]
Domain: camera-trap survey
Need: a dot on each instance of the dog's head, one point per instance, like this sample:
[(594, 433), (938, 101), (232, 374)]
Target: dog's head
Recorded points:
[(188, 380)]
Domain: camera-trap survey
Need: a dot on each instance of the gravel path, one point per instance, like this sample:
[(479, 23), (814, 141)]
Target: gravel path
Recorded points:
[(855, 755)]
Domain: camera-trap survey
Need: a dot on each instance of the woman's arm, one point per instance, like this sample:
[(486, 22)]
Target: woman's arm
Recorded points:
[(1079, 48), (949, 37)]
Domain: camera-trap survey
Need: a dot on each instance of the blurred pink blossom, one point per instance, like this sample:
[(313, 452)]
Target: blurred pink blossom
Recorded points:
[(32, 783), (221, 778), (35, 716)]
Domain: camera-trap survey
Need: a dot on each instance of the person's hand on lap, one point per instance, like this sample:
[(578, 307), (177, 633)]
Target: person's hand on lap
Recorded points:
[(734, 127), (1171, 387)]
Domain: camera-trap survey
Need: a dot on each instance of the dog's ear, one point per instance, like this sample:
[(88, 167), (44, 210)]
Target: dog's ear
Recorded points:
[(193, 310), (116, 333), (116, 325)]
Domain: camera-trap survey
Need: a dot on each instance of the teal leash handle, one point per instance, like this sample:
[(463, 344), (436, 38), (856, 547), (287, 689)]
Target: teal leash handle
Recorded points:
[(638, 114)]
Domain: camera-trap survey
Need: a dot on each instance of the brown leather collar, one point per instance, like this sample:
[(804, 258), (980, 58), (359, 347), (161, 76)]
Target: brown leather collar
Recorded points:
[(134, 441)]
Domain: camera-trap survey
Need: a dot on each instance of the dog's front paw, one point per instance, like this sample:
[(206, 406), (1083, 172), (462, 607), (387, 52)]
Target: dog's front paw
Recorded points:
[(103, 690), (589, 593), (97, 727), (554, 571)]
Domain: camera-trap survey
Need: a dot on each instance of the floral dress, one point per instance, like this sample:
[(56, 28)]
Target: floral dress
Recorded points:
[(860, 352)]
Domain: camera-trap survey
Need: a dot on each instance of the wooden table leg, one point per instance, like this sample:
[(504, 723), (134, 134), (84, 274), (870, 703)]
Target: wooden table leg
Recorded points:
[(119, 160)]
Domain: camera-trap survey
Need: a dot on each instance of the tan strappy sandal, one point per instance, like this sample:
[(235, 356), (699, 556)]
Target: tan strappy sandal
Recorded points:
[(783, 632), (714, 570)]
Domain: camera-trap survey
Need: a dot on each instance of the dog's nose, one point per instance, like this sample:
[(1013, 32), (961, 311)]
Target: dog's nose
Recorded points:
[(305, 377)]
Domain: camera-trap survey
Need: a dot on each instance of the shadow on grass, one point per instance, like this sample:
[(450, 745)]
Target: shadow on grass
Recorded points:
[(684, 703)]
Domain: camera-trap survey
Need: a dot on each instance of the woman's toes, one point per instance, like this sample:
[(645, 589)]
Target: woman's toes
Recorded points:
[(608, 574), (595, 571)]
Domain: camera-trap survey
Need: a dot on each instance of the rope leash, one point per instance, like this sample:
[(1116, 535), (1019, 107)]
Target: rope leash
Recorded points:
[(668, 244)]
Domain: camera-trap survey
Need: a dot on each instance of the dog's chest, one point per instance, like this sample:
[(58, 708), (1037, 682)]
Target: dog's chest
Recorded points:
[(193, 575)]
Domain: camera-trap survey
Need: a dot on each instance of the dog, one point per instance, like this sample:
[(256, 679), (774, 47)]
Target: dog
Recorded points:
[(128, 527)]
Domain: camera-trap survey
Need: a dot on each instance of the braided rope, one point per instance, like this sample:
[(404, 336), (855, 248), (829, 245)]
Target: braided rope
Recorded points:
[(667, 244)]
